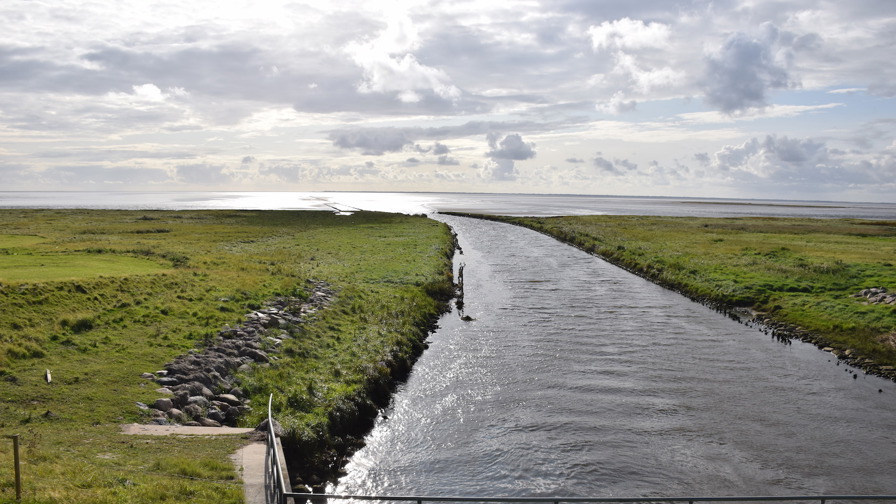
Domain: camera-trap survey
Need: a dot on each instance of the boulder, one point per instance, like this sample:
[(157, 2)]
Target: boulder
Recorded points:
[(200, 401), (263, 427), (167, 381), (230, 399), (257, 355), (163, 404), (193, 411), (216, 415), (208, 422)]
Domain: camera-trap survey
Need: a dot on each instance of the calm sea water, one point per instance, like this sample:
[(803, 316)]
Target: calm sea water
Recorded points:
[(414, 203)]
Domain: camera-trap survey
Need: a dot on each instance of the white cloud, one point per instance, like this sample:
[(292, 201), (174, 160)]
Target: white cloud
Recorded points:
[(617, 105), (511, 147), (499, 169), (389, 64), (806, 164), (741, 74), (307, 89), (628, 33)]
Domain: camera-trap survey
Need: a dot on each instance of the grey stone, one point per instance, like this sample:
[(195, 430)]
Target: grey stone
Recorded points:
[(229, 399), (163, 404), (193, 411), (216, 415), (200, 401), (263, 427), (208, 422)]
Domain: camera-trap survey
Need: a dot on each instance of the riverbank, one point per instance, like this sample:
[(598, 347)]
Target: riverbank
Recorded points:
[(802, 278), (98, 298)]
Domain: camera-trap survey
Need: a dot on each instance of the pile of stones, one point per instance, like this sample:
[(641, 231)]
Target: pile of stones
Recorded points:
[(201, 389), (877, 295)]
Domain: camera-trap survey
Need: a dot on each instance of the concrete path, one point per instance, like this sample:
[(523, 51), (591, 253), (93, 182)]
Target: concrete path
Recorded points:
[(249, 460)]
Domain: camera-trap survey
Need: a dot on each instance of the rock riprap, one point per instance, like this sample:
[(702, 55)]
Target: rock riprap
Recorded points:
[(877, 295), (201, 388)]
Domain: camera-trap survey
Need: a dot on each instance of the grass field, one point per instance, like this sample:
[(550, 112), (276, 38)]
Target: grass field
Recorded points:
[(99, 297), (802, 272)]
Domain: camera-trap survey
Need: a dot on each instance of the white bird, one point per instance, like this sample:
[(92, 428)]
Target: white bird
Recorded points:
[(48, 377)]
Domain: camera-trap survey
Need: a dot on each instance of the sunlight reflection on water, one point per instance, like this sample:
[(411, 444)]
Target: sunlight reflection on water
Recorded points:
[(427, 203)]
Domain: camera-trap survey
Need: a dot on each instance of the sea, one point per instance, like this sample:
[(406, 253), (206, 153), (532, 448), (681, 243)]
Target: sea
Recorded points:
[(427, 203)]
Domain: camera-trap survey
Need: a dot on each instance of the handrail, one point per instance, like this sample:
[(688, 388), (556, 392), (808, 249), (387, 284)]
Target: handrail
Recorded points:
[(273, 475)]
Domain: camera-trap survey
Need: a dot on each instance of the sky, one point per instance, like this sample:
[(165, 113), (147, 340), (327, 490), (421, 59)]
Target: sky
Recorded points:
[(777, 99)]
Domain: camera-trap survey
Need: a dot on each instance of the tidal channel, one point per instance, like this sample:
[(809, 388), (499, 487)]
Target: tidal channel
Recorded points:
[(577, 378)]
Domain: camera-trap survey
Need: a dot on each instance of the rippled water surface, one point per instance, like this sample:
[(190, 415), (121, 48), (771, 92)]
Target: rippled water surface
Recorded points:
[(579, 379)]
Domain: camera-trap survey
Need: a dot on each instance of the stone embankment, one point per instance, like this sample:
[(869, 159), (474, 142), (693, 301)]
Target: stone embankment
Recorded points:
[(201, 388), (785, 333), (877, 295)]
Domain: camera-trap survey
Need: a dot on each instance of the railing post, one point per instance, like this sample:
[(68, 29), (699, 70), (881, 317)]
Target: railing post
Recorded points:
[(15, 456)]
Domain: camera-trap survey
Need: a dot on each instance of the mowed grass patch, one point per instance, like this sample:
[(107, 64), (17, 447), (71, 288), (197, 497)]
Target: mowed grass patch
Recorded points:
[(99, 332), (802, 272), (11, 241), (42, 268)]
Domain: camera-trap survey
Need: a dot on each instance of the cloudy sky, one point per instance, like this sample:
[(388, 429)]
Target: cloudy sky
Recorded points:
[(787, 99)]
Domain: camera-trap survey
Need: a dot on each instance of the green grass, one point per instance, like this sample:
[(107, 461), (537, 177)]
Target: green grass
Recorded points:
[(801, 272), (187, 275), (49, 267)]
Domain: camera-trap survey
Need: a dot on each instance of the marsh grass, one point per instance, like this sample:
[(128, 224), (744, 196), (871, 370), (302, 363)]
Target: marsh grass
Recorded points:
[(800, 271), (188, 275)]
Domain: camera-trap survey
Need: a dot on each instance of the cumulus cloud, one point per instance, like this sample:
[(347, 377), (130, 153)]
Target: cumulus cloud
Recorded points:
[(616, 105), (801, 163), (511, 147), (377, 141), (389, 66), (742, 73), (439, 149), (499, 169), (372, 141), (614, 167), (628, 33), (503, 154)]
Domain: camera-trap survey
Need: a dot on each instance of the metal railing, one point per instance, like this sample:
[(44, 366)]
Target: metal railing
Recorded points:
[(275, 482), (278, 490)]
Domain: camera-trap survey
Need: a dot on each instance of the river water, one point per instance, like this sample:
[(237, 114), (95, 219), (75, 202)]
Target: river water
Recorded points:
[(577, 378)]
